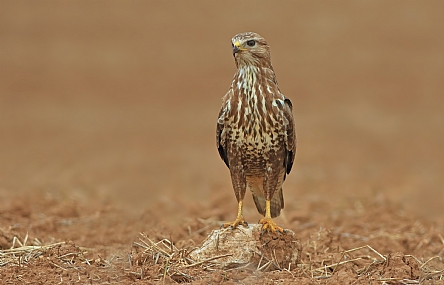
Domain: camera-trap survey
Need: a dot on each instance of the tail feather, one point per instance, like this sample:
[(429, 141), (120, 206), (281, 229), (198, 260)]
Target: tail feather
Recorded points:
[(276, 205), (260, 204)]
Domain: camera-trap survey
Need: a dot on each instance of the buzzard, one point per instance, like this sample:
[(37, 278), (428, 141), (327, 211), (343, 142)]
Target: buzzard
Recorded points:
[(255, 132)]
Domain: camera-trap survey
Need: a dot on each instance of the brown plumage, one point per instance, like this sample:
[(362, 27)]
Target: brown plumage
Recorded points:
[(255, 132)]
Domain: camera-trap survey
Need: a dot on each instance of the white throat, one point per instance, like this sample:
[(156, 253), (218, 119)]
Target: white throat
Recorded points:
[(247, 77)]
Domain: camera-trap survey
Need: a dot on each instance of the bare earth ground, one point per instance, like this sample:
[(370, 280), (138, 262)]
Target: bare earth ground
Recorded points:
[(107, 120)]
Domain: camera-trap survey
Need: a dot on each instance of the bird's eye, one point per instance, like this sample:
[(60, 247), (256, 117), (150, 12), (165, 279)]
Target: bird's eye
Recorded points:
[(251, 43)]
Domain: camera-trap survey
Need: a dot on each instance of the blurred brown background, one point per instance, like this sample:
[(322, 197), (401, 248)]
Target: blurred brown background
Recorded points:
[(118, 100)]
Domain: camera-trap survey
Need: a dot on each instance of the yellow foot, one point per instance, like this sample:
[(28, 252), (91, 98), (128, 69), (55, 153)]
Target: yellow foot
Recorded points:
[(238, 221), (269, 225)]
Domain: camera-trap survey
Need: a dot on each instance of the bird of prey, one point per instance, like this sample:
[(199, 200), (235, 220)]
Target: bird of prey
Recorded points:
[(255, 132)]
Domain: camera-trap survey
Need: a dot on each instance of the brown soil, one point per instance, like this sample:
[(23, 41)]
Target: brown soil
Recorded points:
[(107, 120)]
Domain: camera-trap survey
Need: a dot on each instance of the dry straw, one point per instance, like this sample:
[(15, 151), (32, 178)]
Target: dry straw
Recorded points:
[(176, 264)]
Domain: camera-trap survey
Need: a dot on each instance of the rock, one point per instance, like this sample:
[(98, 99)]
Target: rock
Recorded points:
[(245, 246)]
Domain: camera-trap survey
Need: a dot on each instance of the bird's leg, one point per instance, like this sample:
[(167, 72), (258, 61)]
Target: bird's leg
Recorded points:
[(239, 185), (271, 181), (239, 219), (267, 222)]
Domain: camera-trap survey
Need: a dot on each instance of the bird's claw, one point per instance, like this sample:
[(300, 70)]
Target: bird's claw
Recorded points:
[(235, 223), (268, 225)]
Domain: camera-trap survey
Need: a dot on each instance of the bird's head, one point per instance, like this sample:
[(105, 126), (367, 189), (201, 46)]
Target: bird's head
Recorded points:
[(250, 49)]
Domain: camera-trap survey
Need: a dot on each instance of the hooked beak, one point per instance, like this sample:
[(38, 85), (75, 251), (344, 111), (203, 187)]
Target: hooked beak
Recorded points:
[(236, 48)]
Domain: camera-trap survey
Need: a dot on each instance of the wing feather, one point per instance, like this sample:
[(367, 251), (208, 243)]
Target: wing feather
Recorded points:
[(220, 139), (291, 136)]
